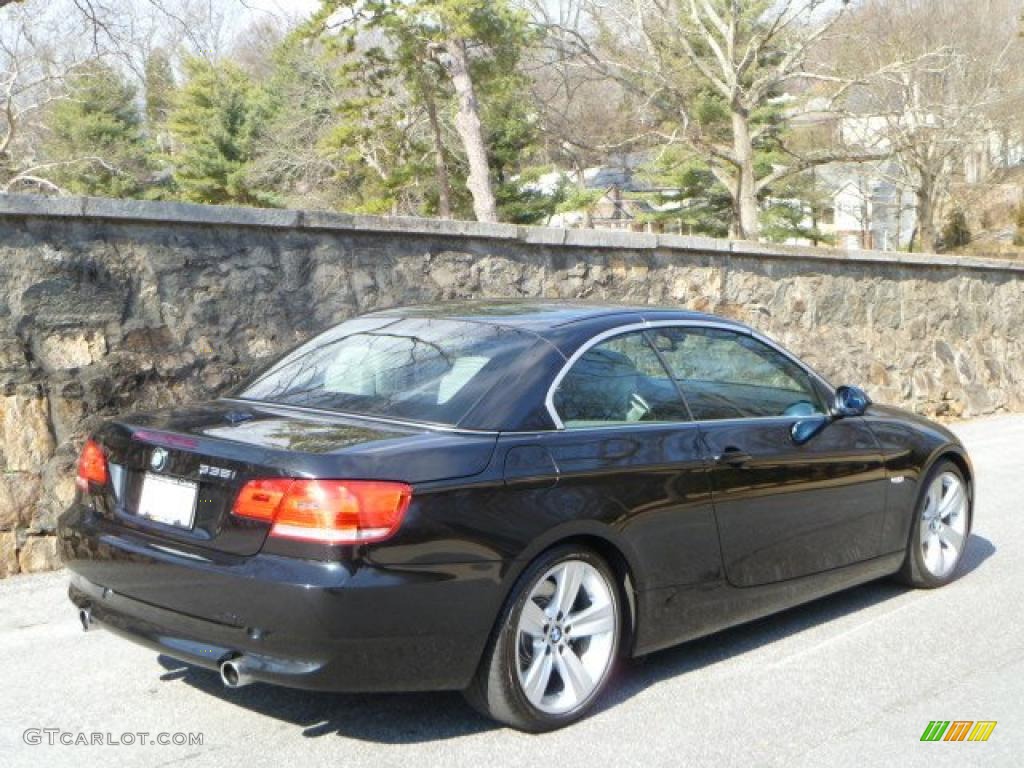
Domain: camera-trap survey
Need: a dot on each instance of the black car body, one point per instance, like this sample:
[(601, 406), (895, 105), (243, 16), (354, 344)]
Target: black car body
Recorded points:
[(707, 518)]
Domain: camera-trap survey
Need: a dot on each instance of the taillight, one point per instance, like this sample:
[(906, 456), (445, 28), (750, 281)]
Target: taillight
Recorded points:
[(259, 499), (328, 511), (92, 466)]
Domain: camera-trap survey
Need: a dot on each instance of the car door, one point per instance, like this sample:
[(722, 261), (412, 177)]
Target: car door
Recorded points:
[(629, 455), (784, 509)]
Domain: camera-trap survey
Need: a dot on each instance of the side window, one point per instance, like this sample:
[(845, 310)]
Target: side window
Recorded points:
[(619, 381), (729, 375)]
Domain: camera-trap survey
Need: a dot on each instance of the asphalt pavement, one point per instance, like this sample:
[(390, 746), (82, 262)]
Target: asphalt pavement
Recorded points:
[(850, 680)]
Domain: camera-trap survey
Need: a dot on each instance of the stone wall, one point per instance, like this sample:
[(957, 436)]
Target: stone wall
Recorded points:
[(107, 306)]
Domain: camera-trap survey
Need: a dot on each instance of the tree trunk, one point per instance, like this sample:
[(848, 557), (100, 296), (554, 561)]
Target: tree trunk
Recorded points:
[(6, 157), (467, 123), (925, 216), (444, 196), (899, 218), (581, 185), (745, 203), (735, 227)]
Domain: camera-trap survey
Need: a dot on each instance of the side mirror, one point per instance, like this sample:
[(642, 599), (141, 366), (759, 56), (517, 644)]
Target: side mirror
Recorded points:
[(850, 401), (804, 429)]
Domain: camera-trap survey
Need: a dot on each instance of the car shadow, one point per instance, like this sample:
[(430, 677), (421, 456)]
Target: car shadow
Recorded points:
[(418, 717), (730, 643), (384, 718)]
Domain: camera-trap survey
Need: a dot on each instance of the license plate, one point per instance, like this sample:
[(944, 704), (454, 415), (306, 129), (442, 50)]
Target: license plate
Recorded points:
[(168, 500)]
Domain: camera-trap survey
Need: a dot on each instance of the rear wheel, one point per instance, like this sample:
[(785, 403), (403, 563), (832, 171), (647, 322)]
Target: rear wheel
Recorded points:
[(555, 645), (940, 528)]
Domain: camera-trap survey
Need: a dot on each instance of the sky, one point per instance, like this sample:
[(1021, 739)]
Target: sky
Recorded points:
[(282, 7)]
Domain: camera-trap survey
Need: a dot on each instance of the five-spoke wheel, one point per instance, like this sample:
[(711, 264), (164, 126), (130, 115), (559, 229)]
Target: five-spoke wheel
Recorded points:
[(555, 645), (943, 524), (566, 636), (941, 527)]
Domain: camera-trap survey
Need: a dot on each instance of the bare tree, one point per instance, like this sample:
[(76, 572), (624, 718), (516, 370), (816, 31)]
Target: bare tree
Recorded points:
[(38, 53), (676, 56), (958, 83), (583, 115)]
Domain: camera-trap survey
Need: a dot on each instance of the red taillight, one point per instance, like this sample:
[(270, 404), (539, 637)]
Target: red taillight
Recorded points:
[(92, 466), (259, 499), (329, 511)]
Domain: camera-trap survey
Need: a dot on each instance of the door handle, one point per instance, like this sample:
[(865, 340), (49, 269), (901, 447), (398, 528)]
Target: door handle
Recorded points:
[(733, 457)]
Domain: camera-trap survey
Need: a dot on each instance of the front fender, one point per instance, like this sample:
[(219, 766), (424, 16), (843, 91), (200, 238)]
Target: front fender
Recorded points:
[(910, 444)]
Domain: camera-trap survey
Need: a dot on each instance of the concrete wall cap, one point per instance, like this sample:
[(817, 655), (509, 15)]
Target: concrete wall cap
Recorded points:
[(28, 206)]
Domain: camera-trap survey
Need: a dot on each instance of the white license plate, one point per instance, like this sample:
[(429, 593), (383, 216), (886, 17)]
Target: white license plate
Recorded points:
[(168, 500)]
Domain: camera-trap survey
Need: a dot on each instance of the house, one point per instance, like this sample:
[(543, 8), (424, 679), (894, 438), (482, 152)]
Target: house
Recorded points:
[(867, 208), (612, 210), (623, 195)]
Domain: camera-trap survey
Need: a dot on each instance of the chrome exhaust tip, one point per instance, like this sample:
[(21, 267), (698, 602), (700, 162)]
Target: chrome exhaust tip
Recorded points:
[(233, 673), (85, 618)]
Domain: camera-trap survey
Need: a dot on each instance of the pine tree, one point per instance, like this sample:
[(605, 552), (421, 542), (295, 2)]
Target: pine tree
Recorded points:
[(433, 50), (693, 198), (213, 124), (96, 141), (512, 135), (956, 233), (159, 76)]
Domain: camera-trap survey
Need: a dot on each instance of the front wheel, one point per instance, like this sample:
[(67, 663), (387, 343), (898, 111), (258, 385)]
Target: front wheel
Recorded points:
[(941, 525), (555, 645)]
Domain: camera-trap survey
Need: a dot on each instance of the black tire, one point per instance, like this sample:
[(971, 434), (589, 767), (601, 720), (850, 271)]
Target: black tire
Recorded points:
[(914, 572), (496, 691)]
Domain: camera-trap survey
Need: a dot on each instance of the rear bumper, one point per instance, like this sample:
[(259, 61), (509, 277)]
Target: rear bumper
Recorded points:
[(327, 626)]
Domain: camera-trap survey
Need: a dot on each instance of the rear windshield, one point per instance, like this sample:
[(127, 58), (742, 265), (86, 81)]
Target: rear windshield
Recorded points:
[(421, 369)]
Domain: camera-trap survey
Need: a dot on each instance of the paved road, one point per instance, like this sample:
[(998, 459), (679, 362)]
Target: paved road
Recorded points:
[(849, 680)]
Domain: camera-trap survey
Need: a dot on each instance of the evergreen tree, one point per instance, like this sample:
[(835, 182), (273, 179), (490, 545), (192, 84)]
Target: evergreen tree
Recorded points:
[(693, 197), (213, 125), (706, 206), (290, 149), (160, 88), (794, 209), (387, 138), (513, 138), (431, 52), (956, 233), (96, 142)]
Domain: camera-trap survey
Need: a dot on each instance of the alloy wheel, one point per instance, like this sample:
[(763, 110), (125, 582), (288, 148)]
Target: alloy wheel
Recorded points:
[(943, 524), (566, 637)]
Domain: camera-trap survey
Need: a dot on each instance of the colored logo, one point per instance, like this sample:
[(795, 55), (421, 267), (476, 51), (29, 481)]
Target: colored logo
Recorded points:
[(958, 730)]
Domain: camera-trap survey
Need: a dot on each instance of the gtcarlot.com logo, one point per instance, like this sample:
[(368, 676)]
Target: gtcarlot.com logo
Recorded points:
[(958, 730), (59, 737)]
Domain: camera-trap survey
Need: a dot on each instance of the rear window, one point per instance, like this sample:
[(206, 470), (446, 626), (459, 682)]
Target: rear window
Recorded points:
[(421, 369)]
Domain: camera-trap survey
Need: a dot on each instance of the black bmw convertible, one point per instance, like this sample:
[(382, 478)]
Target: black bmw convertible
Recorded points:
[(502, 498)]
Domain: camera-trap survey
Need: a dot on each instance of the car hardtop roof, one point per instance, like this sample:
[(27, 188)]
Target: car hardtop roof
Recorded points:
[(538, 315)]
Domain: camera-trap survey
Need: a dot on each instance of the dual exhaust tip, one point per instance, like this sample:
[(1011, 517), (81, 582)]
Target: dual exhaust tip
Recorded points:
[(234, 672)]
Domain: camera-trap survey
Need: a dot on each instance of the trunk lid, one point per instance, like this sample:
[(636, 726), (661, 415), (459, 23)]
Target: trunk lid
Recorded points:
[(202, 455)]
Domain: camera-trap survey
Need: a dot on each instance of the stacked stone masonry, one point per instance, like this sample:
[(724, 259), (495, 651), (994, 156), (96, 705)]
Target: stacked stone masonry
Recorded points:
[(109, 306)]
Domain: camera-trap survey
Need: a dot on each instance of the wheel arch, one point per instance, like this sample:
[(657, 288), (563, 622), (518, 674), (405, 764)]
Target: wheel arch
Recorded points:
[(605, 542), (911, 572), (958, 456)]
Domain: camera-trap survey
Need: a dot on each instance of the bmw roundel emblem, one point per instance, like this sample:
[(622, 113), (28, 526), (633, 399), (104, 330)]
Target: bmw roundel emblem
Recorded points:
[(158, 459)]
